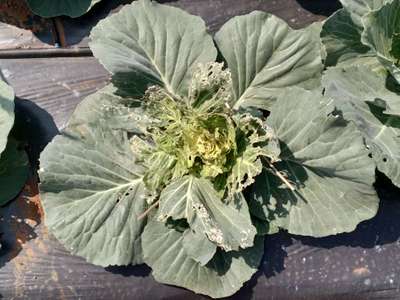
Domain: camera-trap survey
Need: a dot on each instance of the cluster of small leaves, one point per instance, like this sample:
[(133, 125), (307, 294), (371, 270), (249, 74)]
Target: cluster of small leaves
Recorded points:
[(175, 163), (363, 52)]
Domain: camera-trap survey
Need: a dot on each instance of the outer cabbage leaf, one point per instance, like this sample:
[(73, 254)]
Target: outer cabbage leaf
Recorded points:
[(228, 225), (266, 56), (92, 194), (359, 8), (342, 39), (116, 112), (52, 8), (14, 170), (6, 113), (325, 157), (382, 34), (151, 44), (351, 88), (221, 277), (198, 247)]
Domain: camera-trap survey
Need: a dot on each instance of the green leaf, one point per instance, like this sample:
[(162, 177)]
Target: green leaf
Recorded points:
[(52, 8), (6, 113), (350, 88), (92, 194), (221, 277), (325, 158), (359, 8), (151, 44), (342, 39), (198, 247), (381, 30), (228, 225), (265, 56), (14, 171)]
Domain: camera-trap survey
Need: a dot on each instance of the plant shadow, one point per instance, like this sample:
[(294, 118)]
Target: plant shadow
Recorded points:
[(20, 218)]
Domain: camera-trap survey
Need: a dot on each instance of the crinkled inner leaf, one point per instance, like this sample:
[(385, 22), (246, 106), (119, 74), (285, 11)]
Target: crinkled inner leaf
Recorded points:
[(221, 277), (147, 43), (6, 113), (14, 170), (350, 88), (228, 225), (265, 56), (92, 194), (326, 159), (53, 8)]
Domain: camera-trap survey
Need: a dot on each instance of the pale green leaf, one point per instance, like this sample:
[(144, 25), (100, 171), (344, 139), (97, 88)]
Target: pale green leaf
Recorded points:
[(325, 158), (266, 56), (92, 194), (228, 225), (221, 277), (14, 170), (198, 247), (6, 113), (54, 8), (147, 43), (350, 88)]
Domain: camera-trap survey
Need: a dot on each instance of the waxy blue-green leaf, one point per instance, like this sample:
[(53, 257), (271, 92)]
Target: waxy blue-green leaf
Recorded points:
[(54, 8), (266, 56), (359, 8), (325, 158), (351, 88), (221, 277), (198, 247), (342, 39), (147, 43), (228, 225), (92, 194), (14, 170), (6, 113), (382, 34)]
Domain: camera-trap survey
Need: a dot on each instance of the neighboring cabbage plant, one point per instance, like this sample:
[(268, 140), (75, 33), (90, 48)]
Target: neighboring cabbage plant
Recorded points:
[(185, 163), (54, 8), (13, 160), (362, 41)]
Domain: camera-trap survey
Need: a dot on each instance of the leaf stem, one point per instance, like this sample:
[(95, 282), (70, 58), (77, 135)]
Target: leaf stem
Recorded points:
[(146, 212), (280, 176)]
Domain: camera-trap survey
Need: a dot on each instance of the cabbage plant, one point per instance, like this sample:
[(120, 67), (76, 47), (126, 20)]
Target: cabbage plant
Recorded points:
[(13, 159), (363, 51), (54, 8), (185, 161)]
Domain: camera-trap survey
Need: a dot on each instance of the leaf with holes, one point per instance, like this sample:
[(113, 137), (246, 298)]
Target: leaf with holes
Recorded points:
[(325, 157), (92, 194), (358, 91), (221, 277)]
